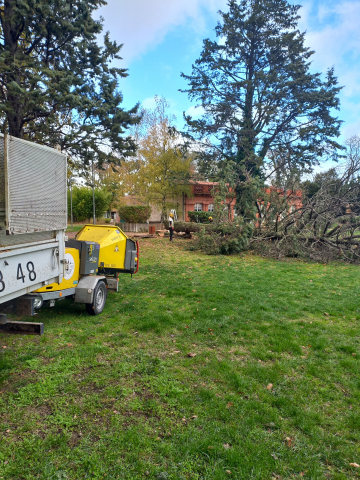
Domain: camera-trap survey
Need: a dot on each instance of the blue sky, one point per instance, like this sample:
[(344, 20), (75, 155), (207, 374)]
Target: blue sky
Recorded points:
[(163, 38)]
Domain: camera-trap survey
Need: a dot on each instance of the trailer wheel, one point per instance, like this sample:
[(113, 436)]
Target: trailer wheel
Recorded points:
[(98, 304)]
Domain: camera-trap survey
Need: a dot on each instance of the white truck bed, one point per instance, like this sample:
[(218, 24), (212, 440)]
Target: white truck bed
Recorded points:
[(33, 216)]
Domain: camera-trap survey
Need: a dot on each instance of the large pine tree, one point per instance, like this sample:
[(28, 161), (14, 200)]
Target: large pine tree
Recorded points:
[(258, 92), (57, 85)]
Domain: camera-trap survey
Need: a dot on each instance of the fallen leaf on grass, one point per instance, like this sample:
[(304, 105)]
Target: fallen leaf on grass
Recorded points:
[(269, 387), (356, 465), (228, 471), (230, 404), (288, 441), (191, 355), (194, 416), (326, 314), (4, 347), (194, 290), (210, 448), (177, 351), (214, 308), (226, 446)]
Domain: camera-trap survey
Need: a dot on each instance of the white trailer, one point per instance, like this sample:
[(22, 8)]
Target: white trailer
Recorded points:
[(33, 220)]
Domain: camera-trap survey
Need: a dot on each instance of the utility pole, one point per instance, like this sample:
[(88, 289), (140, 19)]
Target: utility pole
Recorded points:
[(71, 206), (93, 187)]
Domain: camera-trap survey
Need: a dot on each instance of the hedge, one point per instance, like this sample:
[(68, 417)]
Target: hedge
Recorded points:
[(135, 213), (199, 217)]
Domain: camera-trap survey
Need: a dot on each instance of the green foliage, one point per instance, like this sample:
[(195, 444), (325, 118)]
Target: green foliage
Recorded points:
[(58, 84), (223, 239), (200, 217), (216, 239), (135, 213), (311, 187), (258, 93), (105, 220), (83, 202)]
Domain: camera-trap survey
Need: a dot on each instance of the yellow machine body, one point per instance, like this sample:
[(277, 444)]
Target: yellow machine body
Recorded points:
[(72, 273), (112, 243)]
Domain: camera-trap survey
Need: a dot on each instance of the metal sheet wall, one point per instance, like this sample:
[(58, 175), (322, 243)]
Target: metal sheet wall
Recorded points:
[(37, 188), (2, 184)]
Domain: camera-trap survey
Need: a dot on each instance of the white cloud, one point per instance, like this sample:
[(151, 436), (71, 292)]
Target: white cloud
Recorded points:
[(149, 103), (351, 129), (195, 111), (142, 24), (333, 32)]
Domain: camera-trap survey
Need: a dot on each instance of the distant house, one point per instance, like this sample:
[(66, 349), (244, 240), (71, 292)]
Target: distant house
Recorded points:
[(113, 215), (202, 200)]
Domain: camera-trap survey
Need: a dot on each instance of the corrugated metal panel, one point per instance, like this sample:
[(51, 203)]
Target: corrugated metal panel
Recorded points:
[(10, 240), (36, 177), (2, 184)]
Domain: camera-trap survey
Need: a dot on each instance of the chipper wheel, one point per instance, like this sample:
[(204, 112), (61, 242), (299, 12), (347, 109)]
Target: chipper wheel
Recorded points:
[(98, 304)]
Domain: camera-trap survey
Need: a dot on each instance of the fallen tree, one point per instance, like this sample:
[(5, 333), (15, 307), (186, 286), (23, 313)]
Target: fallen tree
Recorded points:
[(213, 239), (325, 227)]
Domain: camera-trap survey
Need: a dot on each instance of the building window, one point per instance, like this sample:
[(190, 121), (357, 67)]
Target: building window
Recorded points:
[(211, 207), (198, 207)]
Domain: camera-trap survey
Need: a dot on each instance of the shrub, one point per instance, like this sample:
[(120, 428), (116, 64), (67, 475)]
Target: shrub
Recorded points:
[(223, 239), (83, 202), (135, 213), (200, 217)]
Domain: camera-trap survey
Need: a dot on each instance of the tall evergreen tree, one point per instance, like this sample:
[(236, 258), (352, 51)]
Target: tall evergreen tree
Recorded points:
[(57, 85), (258, 93)]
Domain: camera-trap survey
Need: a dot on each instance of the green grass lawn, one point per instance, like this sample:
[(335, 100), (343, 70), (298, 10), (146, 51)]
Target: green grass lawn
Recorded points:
[(199, 368), (75, 227)]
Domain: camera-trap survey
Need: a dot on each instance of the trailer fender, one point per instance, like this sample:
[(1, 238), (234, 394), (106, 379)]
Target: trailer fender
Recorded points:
[(84, 292)]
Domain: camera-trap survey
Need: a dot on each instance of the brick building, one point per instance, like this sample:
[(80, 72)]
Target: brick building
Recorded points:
[(202, 200)]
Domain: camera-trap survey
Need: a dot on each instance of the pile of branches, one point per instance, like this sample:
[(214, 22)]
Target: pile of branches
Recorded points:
[(217, 238), (322, 227), (185, 227)]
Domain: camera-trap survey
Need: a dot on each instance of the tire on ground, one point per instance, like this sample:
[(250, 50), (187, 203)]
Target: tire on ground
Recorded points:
[(99, 300)]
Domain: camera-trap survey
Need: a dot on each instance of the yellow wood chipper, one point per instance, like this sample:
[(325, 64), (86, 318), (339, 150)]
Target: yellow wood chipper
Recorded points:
[(93, 262)]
